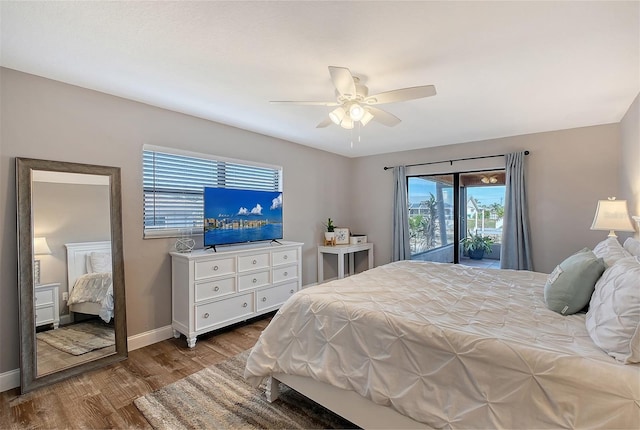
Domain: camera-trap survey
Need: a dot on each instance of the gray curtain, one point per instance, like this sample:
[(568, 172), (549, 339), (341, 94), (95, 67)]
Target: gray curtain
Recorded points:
[(400, 235), (516, 242)]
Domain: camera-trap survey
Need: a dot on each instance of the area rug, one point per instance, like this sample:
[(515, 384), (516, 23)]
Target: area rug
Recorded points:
[(219, 398), (78, 339)]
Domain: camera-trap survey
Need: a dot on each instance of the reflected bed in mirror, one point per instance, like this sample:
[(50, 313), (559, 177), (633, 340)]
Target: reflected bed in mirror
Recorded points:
[(72, 310), (89, 333)]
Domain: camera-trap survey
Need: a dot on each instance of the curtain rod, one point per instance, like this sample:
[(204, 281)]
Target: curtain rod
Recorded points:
[(455, 159)]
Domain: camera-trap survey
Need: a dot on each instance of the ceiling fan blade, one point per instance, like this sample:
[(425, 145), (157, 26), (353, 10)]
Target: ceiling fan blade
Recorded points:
[(343, 81), (326, 123), (282, 102), (384, 117), (401, 95)]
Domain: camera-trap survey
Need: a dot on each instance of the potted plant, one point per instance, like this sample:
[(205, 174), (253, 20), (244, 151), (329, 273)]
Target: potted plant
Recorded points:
[(475, 245), (330, 235)]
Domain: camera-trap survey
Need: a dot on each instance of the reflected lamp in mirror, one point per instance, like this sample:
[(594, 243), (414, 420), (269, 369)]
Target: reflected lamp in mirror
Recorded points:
[(612, 215), (40, 247)]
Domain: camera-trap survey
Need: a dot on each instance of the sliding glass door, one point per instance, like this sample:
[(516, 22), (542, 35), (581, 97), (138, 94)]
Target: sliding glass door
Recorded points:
[(432, 218), (445, 209)]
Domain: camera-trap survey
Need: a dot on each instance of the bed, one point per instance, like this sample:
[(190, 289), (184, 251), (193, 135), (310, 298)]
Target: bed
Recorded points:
[(90, 285), (417, 344)]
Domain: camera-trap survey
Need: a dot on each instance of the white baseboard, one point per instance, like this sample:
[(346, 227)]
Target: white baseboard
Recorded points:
[(149, 337), (11, 379)]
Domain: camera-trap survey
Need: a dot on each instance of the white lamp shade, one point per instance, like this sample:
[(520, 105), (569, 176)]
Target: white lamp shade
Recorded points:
[(612, 215), (337, 114), (366, 118), (40, 246), (347, 123)]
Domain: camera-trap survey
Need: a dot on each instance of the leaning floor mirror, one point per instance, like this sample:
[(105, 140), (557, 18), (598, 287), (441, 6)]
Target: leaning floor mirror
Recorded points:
[(70, 270)]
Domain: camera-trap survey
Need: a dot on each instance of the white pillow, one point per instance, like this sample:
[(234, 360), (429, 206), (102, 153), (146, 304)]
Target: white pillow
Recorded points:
[(610, 251), (613, 319), (632, 246), (100, 262)]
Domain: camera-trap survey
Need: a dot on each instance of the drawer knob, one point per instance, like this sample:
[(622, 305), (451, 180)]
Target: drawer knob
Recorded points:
[(206, 315), (264, 299), (215, 268), (286, 273), (286, 256), (254, 262), (255, 280), (291, 292), (244, 305), (216, 288)]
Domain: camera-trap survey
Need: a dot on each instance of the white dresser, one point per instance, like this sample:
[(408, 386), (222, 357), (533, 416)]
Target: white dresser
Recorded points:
[(211, 289), (46, 304)]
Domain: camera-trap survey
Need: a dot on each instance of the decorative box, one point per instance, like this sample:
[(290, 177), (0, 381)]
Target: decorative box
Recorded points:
[(358, 238)]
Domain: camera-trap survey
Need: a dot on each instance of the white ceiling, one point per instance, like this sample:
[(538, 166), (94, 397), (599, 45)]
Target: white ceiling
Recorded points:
[(500, 68)]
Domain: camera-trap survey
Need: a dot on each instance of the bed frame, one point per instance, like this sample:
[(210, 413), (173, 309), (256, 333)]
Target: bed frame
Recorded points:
[(348, 404), (77, 254)]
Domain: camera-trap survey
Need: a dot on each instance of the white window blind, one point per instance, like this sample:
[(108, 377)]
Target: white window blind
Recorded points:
[(173, 184)]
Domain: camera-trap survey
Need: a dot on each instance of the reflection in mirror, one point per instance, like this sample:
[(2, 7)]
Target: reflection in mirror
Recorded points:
[(71, 269)]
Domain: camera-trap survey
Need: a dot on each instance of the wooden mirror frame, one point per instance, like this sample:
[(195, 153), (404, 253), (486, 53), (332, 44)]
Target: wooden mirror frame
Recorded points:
[(29, 379)]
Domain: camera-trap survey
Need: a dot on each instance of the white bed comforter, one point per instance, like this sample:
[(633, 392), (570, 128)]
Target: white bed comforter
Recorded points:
[(94, 288), (451, 346)]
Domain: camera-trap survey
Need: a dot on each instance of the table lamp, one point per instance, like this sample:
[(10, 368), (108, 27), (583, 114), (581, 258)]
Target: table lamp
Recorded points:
[(612, 214), (40, 247)]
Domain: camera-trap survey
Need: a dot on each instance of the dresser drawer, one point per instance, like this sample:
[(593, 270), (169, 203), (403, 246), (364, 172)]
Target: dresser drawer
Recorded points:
[(215, 288), (275, 296), (224, 310), (44, 314), (253, 280), (44, 297), (214, 267), (285, 273), (251, 262), (285, 257)]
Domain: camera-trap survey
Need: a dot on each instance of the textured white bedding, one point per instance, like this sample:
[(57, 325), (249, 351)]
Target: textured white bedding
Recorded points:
[(94, 288), (451, 346)]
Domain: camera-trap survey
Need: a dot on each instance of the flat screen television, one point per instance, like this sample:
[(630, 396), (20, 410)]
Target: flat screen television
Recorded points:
[(240, 216)]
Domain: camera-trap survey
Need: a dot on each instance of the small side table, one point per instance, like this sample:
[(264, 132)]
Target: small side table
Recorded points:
[(341, 251), (47, 308)]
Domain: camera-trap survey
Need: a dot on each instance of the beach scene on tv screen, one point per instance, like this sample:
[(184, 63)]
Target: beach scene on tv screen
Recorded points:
[(235, 216)]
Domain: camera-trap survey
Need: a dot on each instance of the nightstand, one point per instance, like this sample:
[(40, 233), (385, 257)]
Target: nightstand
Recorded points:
[(47, 308)]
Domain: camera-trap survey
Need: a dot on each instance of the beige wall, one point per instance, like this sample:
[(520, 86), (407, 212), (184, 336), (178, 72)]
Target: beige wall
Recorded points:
[(54, 121), (567, 172), (630, 158)]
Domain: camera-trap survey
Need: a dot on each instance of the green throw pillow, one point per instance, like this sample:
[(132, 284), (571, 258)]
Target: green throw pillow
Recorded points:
[(571, 284)]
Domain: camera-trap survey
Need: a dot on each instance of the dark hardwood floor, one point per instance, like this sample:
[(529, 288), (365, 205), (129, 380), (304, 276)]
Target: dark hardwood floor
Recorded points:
[(104, 398)]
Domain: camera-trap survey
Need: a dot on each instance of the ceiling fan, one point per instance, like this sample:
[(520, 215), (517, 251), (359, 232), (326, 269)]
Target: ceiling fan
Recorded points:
[(356, 105)]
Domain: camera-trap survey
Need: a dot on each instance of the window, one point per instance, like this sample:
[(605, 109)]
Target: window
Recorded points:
[(173, 183)]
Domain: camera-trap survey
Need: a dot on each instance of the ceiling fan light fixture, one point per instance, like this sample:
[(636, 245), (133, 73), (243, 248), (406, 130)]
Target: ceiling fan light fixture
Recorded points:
[(347, 123), (356, 112), (337, 115), (368, 116)]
